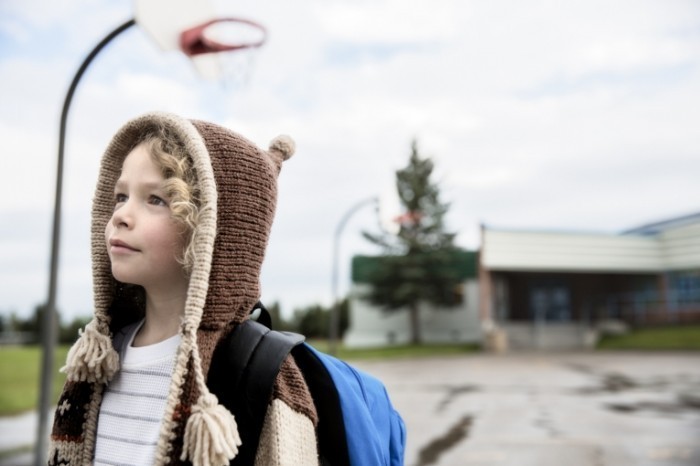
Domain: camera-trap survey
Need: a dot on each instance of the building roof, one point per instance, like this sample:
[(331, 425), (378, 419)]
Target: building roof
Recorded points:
[(664, 225), (654, 248)]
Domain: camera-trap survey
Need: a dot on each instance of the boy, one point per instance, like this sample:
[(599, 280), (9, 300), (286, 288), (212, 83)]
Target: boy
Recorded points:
[(181, 218)]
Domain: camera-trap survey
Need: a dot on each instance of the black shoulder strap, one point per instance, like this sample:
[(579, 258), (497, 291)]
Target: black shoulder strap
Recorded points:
[(242, 375), (263, 315), (332, 440)]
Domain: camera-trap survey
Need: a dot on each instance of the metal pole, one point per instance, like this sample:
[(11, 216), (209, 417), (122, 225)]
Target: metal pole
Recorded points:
[(50, 314), (335, 308)]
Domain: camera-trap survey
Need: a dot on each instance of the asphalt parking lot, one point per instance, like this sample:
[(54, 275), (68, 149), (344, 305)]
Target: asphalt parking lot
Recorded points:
[(597, 409)]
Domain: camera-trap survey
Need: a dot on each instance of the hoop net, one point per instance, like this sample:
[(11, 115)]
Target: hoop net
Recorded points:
[(233, 68), (224, 48)]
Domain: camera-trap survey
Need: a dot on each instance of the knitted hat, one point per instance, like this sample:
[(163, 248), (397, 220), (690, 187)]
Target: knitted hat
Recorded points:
[(238, 191)]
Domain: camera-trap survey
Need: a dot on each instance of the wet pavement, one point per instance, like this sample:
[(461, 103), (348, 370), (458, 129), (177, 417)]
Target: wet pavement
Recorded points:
[(17, 434), (544, 409), (592, 409)]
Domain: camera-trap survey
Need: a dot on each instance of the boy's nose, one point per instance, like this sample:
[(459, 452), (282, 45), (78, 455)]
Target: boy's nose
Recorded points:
[(123, 216)]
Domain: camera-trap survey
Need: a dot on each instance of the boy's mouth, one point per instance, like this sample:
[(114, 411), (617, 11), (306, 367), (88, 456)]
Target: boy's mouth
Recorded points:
[(119, 245)]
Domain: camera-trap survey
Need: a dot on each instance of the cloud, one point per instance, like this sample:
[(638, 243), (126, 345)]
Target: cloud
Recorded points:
[(388, 22)]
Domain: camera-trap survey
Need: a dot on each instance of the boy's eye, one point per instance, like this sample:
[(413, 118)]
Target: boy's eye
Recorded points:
[(155, 200), (119, 198)]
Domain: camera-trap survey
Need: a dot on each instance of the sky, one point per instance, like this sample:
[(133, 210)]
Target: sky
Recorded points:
[(574, 116)]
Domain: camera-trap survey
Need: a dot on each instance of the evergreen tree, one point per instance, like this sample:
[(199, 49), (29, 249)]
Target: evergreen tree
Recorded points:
[(416, 263), (313, 321), (68, 334)]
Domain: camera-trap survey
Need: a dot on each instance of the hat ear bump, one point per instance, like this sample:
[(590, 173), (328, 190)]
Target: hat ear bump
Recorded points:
[(283, 145)]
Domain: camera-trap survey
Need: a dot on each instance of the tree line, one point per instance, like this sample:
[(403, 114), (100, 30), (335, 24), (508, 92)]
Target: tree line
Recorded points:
[(28, 330), (312, 321)]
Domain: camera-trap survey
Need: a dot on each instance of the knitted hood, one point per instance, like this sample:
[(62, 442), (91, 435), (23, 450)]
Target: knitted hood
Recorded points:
[(238, 190)]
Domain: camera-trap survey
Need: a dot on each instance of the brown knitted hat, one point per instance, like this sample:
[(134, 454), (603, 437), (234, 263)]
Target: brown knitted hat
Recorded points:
[(238, 191)]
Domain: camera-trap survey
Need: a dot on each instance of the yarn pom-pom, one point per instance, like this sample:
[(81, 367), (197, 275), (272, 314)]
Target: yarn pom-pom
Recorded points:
[(283, 144), (92, 358), (211, 434)]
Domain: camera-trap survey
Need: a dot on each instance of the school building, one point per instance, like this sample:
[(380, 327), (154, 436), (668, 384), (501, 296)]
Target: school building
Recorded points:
[(554, 290)]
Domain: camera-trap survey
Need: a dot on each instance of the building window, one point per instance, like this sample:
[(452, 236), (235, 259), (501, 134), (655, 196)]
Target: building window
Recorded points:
[(684, 288), (550, 302)]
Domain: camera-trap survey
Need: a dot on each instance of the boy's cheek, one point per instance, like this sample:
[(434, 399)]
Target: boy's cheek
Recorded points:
[(108, 231)]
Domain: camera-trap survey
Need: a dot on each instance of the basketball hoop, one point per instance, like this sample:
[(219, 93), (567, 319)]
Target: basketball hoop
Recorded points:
[(195, 41), (224, 47), (220, 47)]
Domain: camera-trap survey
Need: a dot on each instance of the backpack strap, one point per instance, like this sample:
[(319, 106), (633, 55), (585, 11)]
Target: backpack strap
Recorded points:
[(261, 315), (332, 437), (242, 375)]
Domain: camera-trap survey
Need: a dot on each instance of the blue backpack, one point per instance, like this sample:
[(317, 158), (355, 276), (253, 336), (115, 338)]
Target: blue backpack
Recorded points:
[(358, 425)]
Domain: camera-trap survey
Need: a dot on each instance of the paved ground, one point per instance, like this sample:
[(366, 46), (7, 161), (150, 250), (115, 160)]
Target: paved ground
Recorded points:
[(17, 434), (592, 409), (582, 409)]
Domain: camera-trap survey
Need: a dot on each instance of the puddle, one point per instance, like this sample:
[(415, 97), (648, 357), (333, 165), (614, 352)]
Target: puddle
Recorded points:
[(685, 386), (610, 383), (618, 382), (684, 402), (690, 399), (430, 453), (453, 392), (656, 406)]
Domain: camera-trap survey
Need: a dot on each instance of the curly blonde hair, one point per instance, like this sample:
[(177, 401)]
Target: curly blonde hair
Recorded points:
[(180, 186)]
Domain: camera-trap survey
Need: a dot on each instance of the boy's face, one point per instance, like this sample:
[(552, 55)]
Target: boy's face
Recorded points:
[(143, 240)]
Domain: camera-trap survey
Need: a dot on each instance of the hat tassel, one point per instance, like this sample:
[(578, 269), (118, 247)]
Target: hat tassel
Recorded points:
[(211, 434), (92, 358)]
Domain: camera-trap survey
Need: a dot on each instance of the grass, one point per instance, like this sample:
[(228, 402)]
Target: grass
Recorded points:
[(397, 352), (686, 337), (20, 367), (12, 452)]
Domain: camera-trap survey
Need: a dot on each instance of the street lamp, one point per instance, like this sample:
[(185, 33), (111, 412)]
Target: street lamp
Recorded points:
[(49, 318), (335, 308), (193, 42)]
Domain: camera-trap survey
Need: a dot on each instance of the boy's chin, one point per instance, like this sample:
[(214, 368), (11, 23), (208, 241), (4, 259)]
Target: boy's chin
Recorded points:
[(124, 278)]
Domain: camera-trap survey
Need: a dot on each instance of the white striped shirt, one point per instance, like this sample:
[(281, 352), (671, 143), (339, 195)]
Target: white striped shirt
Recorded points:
[(134, 402)]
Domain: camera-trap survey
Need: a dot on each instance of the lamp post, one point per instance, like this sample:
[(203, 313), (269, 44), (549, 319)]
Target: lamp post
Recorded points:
[(49, 318), (335, 308)]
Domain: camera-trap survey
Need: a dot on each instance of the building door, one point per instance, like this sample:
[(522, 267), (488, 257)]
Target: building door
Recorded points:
[(550, 302)]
